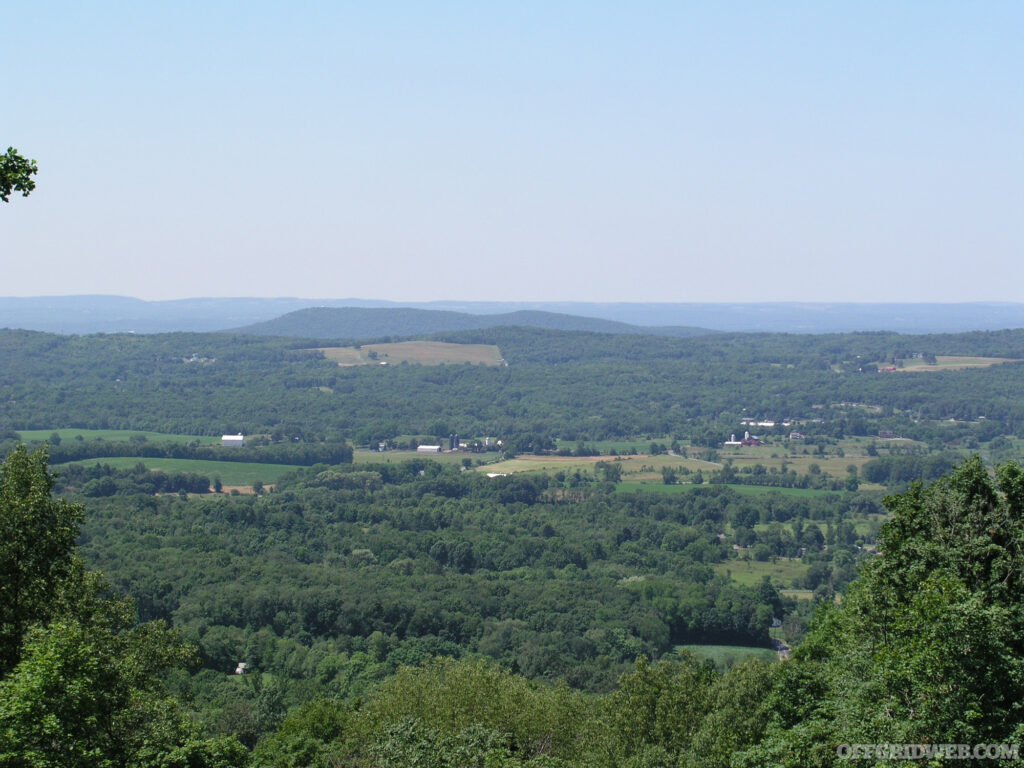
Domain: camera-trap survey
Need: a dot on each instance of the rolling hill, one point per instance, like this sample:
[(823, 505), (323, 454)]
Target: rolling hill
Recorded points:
[(376, 322)]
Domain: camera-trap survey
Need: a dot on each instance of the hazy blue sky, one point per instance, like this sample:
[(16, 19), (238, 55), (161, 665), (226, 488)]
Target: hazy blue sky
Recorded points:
[(859, 151)]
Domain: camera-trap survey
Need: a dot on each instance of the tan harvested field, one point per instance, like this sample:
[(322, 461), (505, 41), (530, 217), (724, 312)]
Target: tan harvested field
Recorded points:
[(421, 352), (644, 468), (951, 363), (639, 468), (829, 465)]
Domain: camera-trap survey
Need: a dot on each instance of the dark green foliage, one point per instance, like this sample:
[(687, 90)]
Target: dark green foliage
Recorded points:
[(103, 480), (901, 470), (37, 540), (344, 585), (296, 453), (437, 563), (926, 646), (572, 386), (80, 683), (16, 174)]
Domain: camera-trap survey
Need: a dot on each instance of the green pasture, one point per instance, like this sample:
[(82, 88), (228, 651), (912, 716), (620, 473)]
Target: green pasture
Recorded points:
[(784, 572), (366, 456), (725, 656), (950, 363), (113, 435), (793, 456), (229, 472)]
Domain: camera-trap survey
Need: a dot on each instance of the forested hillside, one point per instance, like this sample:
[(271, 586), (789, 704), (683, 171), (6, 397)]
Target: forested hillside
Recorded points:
[(591, 573), (380, 625), (557, 385), (372, 322)]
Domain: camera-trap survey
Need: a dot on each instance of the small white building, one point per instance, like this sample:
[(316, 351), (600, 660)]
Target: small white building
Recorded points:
[(428, 449), (237, 440)]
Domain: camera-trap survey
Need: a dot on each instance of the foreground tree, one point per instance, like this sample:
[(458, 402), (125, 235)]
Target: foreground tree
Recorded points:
[(16, 174), (81, 683), (37, 542), (927, 646)]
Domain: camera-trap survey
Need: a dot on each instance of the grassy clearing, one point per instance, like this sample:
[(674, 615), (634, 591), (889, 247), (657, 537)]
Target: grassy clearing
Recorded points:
[(643, 472), (637, 468), (421, 352), (113, 435), (725, 656), (792, 457), (366, 456), (950, 363), (784, 573), (229, 472), (548, 464)]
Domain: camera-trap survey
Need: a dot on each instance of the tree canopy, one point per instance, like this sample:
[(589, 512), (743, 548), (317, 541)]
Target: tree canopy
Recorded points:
[(16, 174), (81, 682)]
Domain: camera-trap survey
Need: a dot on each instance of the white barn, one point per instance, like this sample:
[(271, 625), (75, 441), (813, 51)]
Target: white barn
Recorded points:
[(238, 440)]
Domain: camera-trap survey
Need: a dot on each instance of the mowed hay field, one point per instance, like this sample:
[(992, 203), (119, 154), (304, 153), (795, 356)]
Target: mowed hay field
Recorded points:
[(237, 473), (951, 363), (639, 468), (646, 469), (784, 572), (421, 352), (366, 456), (725, 656)]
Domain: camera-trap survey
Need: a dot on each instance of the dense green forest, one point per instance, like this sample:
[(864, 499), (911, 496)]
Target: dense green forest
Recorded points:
[(557, 385), (379, 608), (925, 647)]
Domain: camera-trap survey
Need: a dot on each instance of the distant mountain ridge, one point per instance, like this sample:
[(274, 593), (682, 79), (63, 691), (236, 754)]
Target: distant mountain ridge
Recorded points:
[(120, 314), (376, 322)]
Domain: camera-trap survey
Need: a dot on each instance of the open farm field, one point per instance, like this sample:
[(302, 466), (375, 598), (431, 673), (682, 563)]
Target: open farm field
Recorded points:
[(834, 466), (638, 468), (114, 435), (548, 464), (366, 456), (951, 363), (725, 656), (229, 472), (784, 572), (421, 352), (631, 445)]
